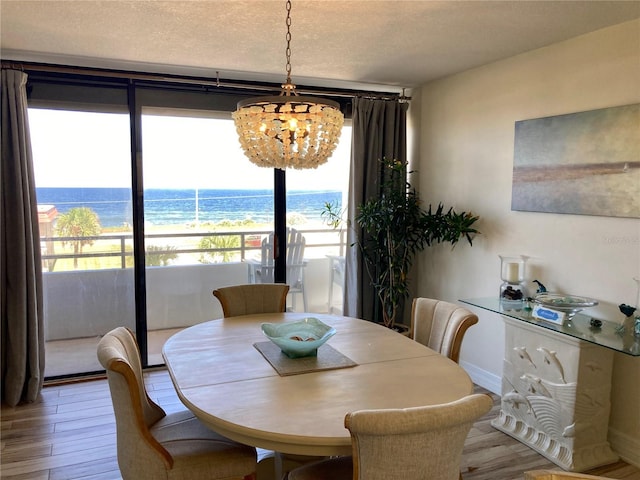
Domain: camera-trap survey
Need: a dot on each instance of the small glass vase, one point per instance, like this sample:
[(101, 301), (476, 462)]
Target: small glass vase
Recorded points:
[(512, 290)]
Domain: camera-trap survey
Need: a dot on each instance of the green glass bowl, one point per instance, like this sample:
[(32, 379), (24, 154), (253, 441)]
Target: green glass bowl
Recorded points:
[(300, 338)]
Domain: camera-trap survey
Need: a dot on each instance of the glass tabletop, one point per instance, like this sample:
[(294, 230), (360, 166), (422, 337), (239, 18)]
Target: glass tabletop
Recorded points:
[(578, 327)]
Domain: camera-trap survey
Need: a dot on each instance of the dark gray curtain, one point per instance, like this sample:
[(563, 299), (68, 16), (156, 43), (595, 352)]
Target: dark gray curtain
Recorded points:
[(379, 131), (22, 334)]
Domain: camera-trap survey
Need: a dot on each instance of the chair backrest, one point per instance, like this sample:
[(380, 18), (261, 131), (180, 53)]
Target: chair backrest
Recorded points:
[(440, 325), (295, 258), (559, 475), (413, 443), (252, 298), (135, 412)]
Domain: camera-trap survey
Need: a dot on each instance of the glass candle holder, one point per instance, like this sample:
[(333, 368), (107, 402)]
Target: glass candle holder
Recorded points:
[(512, 272)]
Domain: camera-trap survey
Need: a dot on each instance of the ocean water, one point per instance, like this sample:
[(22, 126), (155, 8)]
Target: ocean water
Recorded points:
[(176, 207)]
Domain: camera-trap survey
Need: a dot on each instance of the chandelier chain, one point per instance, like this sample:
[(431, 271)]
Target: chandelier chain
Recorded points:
[(288, 131), (288, 37)]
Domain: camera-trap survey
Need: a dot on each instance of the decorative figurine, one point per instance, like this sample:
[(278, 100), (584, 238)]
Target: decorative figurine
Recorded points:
[(627, 310), (541, 287), (628, 324)]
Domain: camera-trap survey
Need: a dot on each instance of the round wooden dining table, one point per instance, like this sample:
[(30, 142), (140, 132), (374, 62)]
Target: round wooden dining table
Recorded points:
[(222, 376)]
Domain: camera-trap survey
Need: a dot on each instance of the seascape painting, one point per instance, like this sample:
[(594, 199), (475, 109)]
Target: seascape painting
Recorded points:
[(585, 163)]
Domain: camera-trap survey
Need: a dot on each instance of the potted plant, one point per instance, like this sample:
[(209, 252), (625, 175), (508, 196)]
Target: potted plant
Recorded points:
[(393, 228)]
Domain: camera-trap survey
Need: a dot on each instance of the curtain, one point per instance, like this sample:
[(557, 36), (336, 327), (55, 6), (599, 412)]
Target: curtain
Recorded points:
[(378, 132), (22, 335)]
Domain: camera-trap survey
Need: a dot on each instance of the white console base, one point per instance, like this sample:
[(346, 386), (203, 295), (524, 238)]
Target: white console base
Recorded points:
[(556, 395)]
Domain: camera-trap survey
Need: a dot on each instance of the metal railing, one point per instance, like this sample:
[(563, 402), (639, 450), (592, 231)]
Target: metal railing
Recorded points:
[(122, 245)]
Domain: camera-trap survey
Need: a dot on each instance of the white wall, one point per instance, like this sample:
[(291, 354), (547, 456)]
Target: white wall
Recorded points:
[(465, 159)]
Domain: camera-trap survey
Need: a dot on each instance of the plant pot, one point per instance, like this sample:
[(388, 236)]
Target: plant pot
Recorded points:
[(401, 328)]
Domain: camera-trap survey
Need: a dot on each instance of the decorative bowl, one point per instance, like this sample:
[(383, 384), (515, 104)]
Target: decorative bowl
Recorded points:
[(569, 304), (299, 339)]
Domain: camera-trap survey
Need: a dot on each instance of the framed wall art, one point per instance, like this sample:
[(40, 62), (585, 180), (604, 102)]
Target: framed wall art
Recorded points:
[(585, 163)]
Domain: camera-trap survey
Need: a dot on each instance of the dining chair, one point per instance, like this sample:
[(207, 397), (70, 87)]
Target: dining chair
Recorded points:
[(252, 298), (403, 444), (152, 444), (263, 271), (559, 475), (257, 298), (440, 325)]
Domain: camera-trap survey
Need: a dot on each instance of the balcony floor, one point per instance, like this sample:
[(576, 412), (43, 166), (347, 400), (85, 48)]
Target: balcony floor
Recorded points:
[(78, 355)]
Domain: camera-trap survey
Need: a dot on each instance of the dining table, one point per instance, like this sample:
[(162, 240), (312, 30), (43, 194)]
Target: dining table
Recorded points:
[(222, 373)]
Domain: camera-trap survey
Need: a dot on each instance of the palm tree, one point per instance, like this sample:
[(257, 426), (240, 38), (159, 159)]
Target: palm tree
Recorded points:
[(78, 222), (156, 256), (215, 242)]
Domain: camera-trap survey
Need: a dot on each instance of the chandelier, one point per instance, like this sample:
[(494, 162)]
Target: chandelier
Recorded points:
[(288, 130)]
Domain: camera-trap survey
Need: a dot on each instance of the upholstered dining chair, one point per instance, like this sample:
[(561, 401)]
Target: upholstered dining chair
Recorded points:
[(440, 325), (403, 444), (559, 475), (252, 298), (154, 445)]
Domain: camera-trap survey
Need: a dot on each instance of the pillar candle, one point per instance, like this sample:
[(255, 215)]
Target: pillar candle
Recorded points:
[(512, 274)]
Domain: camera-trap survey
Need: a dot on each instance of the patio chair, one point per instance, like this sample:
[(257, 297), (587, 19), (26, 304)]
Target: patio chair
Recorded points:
[(263, 271), (440, 325), (403, 444), (252, 298), (152, 444)]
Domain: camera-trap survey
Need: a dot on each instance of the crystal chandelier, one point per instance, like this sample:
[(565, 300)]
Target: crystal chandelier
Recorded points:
[(288, 130)]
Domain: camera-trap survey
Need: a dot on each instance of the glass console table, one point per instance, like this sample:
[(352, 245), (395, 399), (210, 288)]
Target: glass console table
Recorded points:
[(556, 384), (578, 327)]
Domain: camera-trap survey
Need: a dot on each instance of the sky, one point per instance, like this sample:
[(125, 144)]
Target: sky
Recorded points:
[(87, 149)]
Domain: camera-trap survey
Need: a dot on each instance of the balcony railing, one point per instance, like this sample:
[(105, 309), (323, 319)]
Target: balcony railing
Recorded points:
[(319, 242), (98, 294)]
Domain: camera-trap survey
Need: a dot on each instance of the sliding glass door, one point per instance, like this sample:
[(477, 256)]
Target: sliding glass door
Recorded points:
[(308, 191), (147, 204), (206, 210), (83, 189)]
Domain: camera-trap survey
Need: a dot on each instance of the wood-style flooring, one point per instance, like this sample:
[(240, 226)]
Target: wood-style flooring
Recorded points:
[(70, 433)]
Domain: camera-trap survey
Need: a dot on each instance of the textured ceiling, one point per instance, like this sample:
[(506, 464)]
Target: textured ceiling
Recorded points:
[(334, 43)]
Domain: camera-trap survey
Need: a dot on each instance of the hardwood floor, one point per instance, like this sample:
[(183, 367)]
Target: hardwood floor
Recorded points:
[(490, 454), (70, 434)]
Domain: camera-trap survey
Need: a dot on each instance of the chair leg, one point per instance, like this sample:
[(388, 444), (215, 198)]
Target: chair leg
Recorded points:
[(278, 467), (304, 298), (294, 302)]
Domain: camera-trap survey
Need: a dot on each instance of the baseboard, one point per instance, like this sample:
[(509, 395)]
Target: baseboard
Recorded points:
[(483, 378), (627, 447)]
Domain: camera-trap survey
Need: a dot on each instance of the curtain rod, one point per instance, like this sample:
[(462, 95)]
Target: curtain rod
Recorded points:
[(153, 77)]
